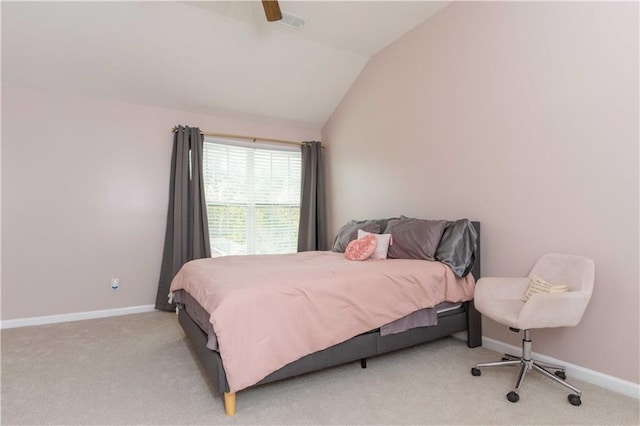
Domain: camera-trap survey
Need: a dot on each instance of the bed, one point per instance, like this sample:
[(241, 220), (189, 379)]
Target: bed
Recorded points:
[(340, 308)]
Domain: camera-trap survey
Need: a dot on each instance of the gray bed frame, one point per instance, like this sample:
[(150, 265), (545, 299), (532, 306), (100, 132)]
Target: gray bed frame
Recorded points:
[(359, 348)]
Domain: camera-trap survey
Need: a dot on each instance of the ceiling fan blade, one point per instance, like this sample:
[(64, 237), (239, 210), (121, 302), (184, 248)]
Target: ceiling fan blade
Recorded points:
[(272, 10)]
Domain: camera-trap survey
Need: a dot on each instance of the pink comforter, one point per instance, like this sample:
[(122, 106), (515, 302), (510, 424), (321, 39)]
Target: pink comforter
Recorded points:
[(270, 310)]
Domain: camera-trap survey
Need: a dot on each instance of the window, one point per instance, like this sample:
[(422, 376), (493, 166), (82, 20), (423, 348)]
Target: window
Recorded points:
[(252, 192)]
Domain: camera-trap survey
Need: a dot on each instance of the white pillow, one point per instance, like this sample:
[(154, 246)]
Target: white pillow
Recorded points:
[(383, 244), (538, 285)]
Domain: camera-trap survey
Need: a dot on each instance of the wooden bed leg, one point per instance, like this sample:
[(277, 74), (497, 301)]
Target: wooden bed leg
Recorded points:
[(230, 403)]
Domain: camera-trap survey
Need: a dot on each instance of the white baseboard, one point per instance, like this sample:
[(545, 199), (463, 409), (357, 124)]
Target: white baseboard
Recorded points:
[(78, 316), (614, 384)]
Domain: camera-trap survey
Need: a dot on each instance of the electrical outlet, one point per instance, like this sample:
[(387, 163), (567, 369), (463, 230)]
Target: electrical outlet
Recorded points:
[(115, 283)]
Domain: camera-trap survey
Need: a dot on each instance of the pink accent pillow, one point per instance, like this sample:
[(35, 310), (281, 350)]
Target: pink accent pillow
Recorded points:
[(362, 248), (382, 246)]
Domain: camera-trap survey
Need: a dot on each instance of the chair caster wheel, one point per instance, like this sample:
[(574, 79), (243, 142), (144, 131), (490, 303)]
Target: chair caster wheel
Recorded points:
[(475, 371), (514, 397), (574, 400), (560, 374)]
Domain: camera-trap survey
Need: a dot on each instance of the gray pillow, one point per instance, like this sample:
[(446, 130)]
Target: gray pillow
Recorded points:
[(383, 223), (458, 246), (414, 238), (349, 232)]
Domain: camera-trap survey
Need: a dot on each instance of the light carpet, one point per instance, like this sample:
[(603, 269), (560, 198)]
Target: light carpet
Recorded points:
[(139, 369)]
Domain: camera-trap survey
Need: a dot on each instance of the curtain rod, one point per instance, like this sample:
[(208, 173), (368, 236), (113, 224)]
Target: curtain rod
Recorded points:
[(251, 138)]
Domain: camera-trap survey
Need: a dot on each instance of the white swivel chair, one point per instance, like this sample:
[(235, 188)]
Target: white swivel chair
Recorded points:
[(500, 300)]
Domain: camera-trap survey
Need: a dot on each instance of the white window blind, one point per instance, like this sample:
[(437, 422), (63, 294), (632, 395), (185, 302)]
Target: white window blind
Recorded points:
[(253, 197)]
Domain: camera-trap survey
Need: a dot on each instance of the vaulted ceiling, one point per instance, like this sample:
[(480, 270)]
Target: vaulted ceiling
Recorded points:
[(208, 57)]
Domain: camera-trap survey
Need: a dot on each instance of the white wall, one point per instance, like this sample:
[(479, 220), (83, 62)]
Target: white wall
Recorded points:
[(85, 187), (524, 116)]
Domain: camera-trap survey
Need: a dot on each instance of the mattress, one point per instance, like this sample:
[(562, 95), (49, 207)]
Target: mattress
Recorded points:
[(420, 318)]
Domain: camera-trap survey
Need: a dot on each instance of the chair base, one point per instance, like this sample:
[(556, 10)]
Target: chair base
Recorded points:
[(527, 364)]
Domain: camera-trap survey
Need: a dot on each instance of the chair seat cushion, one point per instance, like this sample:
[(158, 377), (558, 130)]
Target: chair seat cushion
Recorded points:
[(503, 311)]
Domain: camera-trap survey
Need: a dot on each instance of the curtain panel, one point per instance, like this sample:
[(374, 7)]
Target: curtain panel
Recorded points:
[(187, 232), (312, 233)]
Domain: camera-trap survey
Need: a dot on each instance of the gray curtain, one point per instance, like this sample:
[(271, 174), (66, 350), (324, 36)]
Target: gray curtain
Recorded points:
[(187, 234), (312, 233)]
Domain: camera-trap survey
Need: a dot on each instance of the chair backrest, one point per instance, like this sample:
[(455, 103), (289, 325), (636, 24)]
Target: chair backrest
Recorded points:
[(577, 272)]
